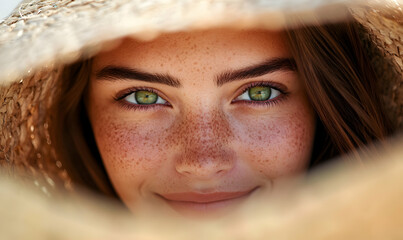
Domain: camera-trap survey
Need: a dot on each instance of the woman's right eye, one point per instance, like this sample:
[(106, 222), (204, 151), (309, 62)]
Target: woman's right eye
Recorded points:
[(143, 97)]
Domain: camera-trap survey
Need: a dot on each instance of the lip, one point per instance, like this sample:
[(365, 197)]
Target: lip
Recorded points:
[(204, 197), (190, 203)]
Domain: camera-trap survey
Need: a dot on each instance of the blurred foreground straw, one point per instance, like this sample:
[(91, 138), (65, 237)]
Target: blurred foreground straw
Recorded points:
[(344, 201)]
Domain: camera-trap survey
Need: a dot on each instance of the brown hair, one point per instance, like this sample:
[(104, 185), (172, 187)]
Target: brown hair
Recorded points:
[(342, 87), (71, 131), (332, 64)]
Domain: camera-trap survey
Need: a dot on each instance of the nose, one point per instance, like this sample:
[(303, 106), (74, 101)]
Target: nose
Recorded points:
[(205, 161), (205, 150)]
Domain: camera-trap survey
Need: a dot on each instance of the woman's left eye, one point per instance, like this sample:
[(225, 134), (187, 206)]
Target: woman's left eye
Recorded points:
[(143, 97), (259, 93)]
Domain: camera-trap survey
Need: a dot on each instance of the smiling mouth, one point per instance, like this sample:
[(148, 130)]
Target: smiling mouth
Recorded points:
[(193, 203)]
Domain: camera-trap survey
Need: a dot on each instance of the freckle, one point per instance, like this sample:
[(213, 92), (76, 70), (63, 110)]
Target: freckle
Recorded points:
[(162, 65)]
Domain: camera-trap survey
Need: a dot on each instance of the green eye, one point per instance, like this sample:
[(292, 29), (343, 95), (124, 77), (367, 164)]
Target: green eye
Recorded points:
[(146, 97), (259, 93)]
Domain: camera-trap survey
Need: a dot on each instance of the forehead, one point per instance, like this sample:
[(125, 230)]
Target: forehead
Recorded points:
[(199, 47)]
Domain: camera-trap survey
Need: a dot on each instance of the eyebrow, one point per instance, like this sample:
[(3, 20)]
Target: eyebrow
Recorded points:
[(269, 66), (119, 73), (112, 73)]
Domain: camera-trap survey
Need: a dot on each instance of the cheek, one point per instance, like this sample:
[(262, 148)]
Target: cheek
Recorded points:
[(131, 151), (279, 146)]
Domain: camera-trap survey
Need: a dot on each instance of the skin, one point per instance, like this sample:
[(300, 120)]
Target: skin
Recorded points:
[(206, 141)]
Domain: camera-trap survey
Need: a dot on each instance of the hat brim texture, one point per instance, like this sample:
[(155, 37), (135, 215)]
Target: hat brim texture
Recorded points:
[(44, 33)]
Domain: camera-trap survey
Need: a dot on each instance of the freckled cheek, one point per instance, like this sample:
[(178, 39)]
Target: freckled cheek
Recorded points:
[(129, 151), (277, 147)]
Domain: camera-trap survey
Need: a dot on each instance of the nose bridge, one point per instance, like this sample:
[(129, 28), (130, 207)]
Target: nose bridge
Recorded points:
[(205, 130), (204, 144), (206, 124)]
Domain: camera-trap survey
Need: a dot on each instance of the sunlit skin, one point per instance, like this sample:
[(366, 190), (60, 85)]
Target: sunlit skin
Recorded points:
[(203, 147)]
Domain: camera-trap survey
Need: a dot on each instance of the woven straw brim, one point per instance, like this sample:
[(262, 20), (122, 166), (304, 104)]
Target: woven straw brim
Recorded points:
[(47, 32)]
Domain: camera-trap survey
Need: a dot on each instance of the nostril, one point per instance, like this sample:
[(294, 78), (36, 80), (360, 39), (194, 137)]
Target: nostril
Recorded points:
[(220, 171)]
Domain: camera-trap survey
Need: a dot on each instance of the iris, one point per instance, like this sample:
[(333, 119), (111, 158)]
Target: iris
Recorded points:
[(259, 93), (146, 97)]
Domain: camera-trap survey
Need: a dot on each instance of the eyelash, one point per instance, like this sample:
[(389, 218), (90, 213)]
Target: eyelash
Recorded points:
[(279, 87)]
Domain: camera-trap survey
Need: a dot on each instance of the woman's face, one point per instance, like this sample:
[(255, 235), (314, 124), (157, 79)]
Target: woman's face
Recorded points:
[(197, 123)]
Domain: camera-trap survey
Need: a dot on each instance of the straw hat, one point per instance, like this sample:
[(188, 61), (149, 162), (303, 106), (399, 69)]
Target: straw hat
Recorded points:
[(41, 36)]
